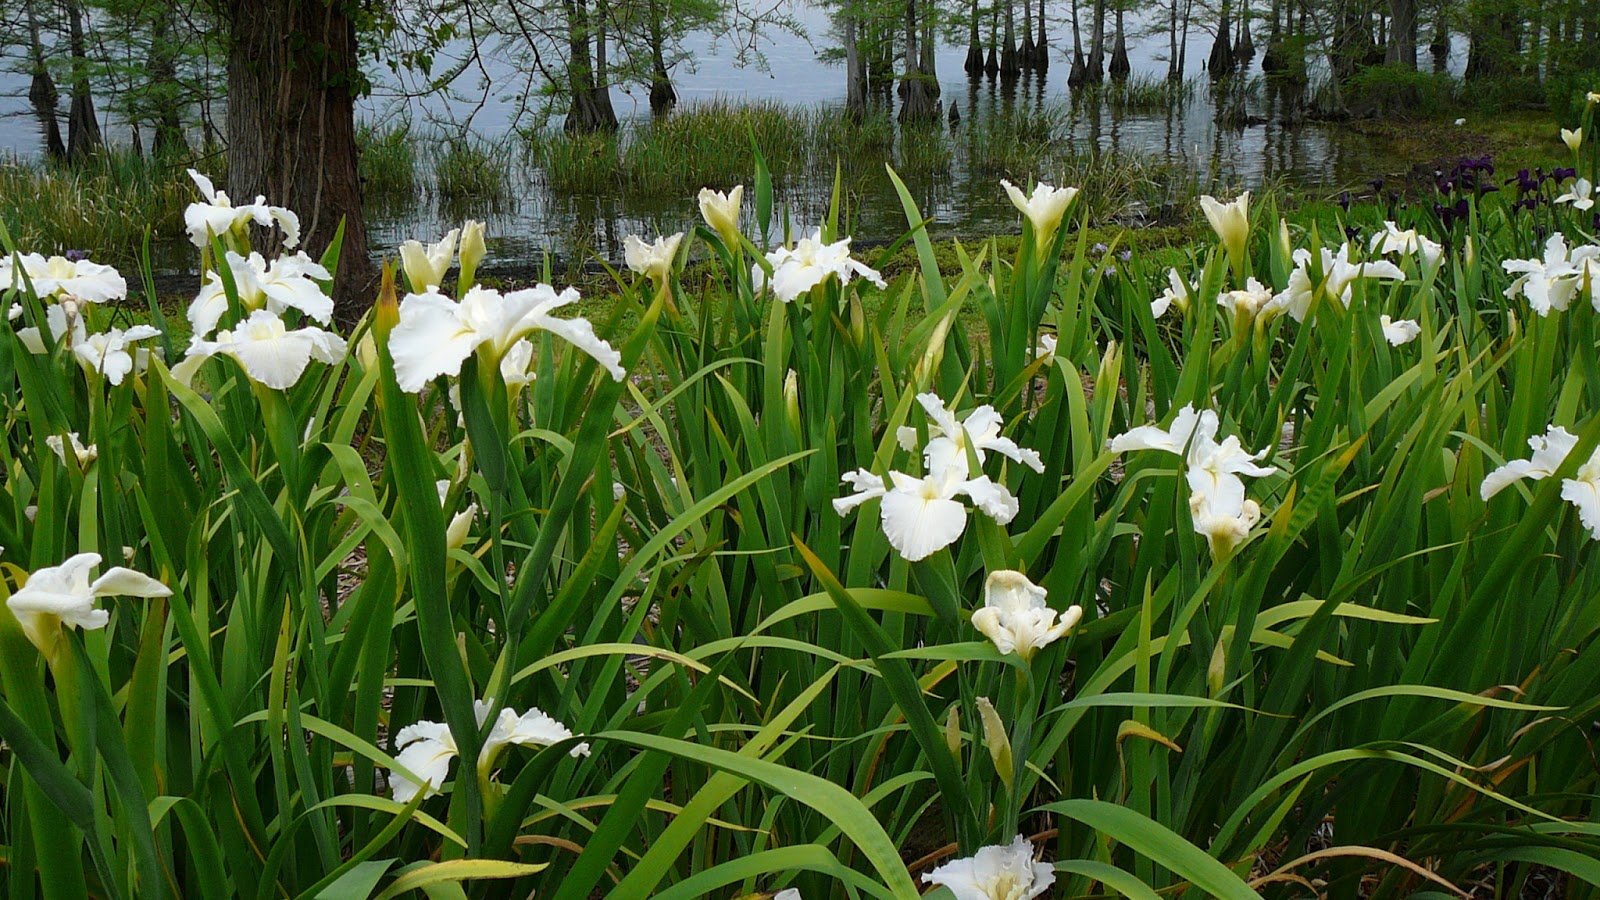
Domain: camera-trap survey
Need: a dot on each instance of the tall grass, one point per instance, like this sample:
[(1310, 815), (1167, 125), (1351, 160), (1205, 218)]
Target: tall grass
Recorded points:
[(468, 173), (102, 205), (1016, 144), (1149, 93), (388, 164)]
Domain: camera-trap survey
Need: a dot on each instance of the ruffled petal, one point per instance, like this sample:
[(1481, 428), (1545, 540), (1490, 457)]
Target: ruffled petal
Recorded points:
[(120, 582), (996, 502), (431, 340), (580, 334), (867, 486), (918, 526)]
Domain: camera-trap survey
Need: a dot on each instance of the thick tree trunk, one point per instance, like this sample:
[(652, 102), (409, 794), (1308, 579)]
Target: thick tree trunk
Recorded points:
[(42, 90), (1009, 65), (602, 83), (855, 71), (917, 105), (662, 96), (974, 63), (1183, 38), (1097, 46), (1041, 47), (928, 64), (590, 109), (1119, 52), (1245, 47), (291, 128), (83, 128), (1079, 73), (1026, 52), (1220, 63), (1272, 62), (991, 65), (1174, 72), (1402, 34)]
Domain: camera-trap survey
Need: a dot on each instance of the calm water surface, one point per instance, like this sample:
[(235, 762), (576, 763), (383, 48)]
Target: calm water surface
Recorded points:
[(534, 220)]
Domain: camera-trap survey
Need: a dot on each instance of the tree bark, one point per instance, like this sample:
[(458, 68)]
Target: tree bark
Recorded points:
[(602, 72), (917, 105), (587, 113), (1079, 73), (1009, 66), (1220, 63), (83, 128), (662, 96), (42, 90), (1041, 47), (1402, 34), (1174, 73), (1097, 46), (974, 63), (1245, 47), (291, 128), (1120, 67), (855, 71), (1026, 52)]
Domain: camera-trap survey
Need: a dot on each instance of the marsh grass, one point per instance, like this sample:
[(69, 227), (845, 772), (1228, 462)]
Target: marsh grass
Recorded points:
[(710, 144), (1149, 93), (469, 174), (1131, 188), (925, 153), (578, 164), (1017, 144), (103, 205), (388, 162)]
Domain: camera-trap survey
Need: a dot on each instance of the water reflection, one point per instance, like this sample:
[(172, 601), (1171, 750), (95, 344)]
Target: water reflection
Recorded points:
[(1232, 134), (1236, 136)]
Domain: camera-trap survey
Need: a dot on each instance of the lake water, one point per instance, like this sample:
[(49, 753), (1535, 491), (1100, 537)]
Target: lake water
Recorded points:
[(535, 220)]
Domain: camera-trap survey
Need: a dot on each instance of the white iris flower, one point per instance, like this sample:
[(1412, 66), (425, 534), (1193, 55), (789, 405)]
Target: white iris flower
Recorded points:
[(218, 216), (426, 748), (1339, 275), (949, 439), (111, 352), (1176, 294), (1550, 450), (290, 282), (811, 262), (1407, 242), (1552, 281), (1044, 208), (437, 334), (996, 873), (652, 260), (425, 267), (1217, 502), (270, 353), (59, 276), (1014, 615), (921, 515), (1399, 331), (63, 596)]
